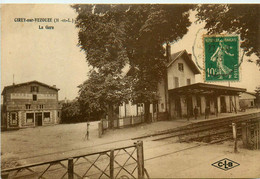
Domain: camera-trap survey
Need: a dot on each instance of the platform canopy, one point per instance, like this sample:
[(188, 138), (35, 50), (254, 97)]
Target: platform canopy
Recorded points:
[(206, 89)]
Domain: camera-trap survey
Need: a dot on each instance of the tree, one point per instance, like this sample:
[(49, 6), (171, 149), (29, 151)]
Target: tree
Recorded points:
[(70, 113), (257, 94), (149, 28), (101, 93), (232, 18), (112, 35), (102, 37)]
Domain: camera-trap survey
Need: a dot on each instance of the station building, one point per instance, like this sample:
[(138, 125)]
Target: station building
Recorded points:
[(247, 100), (179, 94), (30, 104)]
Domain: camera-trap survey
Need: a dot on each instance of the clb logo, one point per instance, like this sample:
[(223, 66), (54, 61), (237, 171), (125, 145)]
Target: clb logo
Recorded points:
[(225, 164)]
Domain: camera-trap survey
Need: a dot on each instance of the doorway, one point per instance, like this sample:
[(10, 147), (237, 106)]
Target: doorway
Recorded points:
[(38, 119), (189, 106), (198, 99), (223, 108), (178, 107)]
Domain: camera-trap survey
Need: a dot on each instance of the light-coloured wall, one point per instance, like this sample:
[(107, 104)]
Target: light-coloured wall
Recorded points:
[(21, 117), (203, 104), (161, 93), (130, 109), (183, 106), (212, 106), (247, 99), (246, 96), (248, 102), (173, 112), (17, 97), (218, 104), (227, 100), (237, 102), (173, 71)]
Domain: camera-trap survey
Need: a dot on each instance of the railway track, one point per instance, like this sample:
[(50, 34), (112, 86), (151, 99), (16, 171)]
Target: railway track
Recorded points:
[(209, 131)]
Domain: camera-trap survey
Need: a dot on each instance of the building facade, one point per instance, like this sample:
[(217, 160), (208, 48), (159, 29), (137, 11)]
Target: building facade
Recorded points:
[(180, 94), (30, 104), (247, 100)]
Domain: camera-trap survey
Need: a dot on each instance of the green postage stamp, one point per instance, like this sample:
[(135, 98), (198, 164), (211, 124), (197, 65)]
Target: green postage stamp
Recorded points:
[(221, 53)]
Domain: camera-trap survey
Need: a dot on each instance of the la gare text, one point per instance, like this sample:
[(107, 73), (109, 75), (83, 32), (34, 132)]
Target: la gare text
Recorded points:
[(46, 27)]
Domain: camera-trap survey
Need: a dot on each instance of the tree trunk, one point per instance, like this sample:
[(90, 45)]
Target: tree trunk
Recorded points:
[(111, 116), (147, 112)]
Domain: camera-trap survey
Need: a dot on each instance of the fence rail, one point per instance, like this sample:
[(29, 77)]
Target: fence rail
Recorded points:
[(123, 122), (125, 162)]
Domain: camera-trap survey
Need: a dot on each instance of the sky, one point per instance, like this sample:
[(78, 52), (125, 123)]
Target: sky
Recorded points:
[(48, 56), (52, 56)]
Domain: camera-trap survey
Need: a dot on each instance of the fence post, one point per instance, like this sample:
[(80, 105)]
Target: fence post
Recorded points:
[(140, 159), (100, 129), (258, 136), (102, 126), (70, 168), (112, 164), (117, 122), (244, 135), (234, 128)]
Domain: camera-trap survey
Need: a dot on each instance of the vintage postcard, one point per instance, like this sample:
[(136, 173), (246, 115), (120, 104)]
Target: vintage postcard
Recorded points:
[(130, 91)]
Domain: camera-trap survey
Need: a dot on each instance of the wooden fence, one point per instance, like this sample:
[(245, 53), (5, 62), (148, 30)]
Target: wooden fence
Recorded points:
[(125, 162), (123, 122), (251, 135)]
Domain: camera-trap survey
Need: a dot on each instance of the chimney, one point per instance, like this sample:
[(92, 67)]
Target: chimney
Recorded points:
[(190, 55), (168, 52)]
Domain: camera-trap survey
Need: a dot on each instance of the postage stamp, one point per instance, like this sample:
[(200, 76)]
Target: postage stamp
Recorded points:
[(221, 58)]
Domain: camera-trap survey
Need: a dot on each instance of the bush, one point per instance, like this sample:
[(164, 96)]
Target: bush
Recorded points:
[(72, 113)]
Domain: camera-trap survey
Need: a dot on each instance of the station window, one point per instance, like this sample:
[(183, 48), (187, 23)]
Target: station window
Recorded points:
[(34, 97), (140, 105), (28, 106), (47, 116), (34, 88), (162, 106), (188, 81), (14, 120), (180, 67), (29, 117), (176, 82), (40, 106)]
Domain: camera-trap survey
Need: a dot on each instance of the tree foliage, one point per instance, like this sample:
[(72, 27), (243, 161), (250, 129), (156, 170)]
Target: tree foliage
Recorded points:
[(257, 93), (70, 113), (99, 90), (113, 35), (150, 27), (102, 37), (233, 18)]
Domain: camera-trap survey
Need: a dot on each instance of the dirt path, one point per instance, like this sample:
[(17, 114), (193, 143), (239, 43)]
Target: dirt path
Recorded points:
[(193, 161), (43, 143), (164, 159)]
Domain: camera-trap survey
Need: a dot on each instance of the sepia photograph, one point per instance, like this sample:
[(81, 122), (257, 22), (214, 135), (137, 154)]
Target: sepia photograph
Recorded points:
[(130, 90)]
